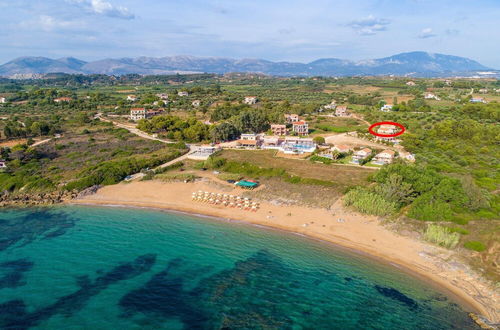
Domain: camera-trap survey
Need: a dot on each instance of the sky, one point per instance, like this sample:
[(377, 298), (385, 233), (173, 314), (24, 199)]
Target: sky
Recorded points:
[(277, 30)]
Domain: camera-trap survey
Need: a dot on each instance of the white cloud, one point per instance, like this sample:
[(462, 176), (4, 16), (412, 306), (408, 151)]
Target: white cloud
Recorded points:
[(49, 23), (369, 26), (102, 7), (427, 33)]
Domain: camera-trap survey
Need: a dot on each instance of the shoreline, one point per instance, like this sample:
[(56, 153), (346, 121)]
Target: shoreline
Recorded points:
[(413, 257)]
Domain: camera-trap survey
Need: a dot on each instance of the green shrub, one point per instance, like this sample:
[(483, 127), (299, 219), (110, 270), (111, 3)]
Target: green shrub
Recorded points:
[(324, 160), (427, 209), (475, 246), (459, 230), (230, 176), (441, 236), (369, 202), (169, 168), (177, 177)]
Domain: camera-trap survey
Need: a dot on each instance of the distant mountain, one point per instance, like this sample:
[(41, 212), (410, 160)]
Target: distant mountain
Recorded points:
[(410, 64)]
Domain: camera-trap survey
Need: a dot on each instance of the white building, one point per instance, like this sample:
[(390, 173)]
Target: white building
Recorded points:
[(3, 164), (250, 100), (384, 157), (183, 93), (132, 98), (360, 155), (3, 100), (387, 130), (431, 96), (301, 127), (477, 100), (330, 106), (162, 96), (137, 114), (386, 108), (341, 111), (196, 103), (410, 83), (291, 118), (249, 140), (295, 145)]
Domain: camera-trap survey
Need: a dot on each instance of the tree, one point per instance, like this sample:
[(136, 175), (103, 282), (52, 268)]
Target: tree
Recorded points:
[(319, 140), (224, 132), (36, 128)]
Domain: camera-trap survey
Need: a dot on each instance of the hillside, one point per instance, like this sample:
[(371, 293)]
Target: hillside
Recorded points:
[(412, 64)]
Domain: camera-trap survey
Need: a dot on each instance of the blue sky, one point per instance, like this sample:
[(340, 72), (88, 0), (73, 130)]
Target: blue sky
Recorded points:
[(289, 30)]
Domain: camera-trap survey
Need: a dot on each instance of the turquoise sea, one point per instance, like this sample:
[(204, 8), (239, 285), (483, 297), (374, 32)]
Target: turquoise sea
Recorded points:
[(78, 267)]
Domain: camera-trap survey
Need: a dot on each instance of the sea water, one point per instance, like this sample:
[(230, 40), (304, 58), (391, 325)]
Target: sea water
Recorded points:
[(80, 267)]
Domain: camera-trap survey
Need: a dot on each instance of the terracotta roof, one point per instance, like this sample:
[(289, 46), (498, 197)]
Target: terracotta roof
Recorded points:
[(390, 152), (299, 122), (137, 109), (247, 142)]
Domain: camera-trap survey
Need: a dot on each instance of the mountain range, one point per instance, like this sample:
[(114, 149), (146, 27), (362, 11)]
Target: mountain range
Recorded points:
[(418, 64)]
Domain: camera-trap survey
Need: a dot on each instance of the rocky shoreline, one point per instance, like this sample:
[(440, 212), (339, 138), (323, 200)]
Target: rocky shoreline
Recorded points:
[(43, 198)]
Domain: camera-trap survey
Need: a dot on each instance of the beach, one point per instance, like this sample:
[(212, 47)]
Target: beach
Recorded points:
[(335, 225)]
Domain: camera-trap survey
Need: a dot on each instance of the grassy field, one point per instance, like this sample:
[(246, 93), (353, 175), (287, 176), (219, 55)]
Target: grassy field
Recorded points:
[(320, 125), (343, 176)]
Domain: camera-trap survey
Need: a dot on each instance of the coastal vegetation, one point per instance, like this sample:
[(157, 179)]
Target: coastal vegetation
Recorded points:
[(453, 184), (441, 236)]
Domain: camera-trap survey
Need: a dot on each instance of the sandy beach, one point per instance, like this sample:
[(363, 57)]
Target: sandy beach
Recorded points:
[(336, 225)]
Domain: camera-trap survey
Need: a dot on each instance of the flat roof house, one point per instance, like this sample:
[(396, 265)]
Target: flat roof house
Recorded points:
[(250, 100), (3, 100), (386, 108), (477, 100), (341, 111), (162, 96), (183, 93), (430, 96), (330, 106), (203, 152), (249, 144), (301, 127), (410, 83), (291, 118), (272, 142), (279, 129), (384, 157), (196, 103), (137, 114), (63, 99), (296, 145), (249, 140), (132, 98), (3, 164), (360, 155)]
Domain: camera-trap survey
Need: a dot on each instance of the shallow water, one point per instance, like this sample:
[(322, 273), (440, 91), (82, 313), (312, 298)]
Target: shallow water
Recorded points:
[(82, 267)]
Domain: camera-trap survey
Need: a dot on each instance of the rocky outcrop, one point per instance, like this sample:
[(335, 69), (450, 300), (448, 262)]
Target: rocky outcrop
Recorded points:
[(30, 199)]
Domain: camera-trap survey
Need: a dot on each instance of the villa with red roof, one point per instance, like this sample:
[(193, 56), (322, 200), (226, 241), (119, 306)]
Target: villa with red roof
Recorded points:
[(301, 127)]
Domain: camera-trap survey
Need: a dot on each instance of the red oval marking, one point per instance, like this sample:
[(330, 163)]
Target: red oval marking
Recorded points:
[(370, 129)]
